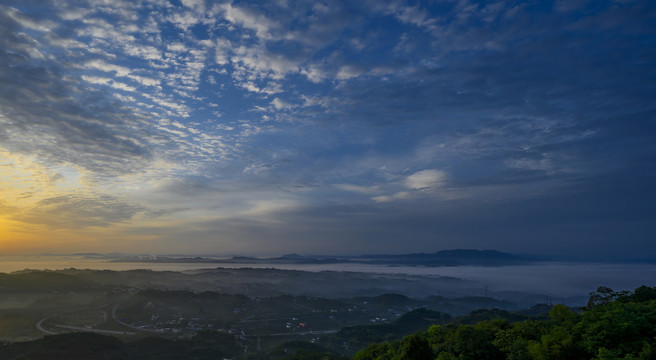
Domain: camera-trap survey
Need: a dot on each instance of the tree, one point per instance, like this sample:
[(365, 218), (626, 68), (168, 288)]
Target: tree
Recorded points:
[(514, 342), (644, 293), (619, 327), (602, 296), (563, 315), (373, 352), (416, 348), (558, 344), (475, 343)]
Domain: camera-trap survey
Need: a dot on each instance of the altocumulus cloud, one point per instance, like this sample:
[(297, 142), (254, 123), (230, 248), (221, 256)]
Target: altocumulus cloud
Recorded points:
[(272, 125), (52, 116)]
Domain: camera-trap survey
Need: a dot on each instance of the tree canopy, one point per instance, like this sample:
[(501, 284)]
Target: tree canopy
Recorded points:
[(613, 325)]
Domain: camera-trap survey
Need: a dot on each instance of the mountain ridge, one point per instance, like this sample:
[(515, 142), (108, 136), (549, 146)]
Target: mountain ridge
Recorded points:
[(453, 257)]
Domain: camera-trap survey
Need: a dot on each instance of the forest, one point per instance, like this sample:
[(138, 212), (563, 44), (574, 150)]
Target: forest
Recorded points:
[(613, 325)]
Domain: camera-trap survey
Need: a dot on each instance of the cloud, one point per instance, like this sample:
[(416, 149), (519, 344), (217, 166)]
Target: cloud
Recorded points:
[(425, 180), (250, 86), (262, 63), (265, 207), (74, 211), (27, 21), (249, 19), (280, 104), (122, 86), (145, 81), (103, 66), (416, 16), (387, 198), (144, 52), (97, 79), (358, 188), (314, 73), (359, 114), (348, 72), (47, 108)]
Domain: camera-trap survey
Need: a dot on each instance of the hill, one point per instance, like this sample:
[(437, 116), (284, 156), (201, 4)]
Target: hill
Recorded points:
[(455, 257), (614, 325), (356, 337), (42, 281)]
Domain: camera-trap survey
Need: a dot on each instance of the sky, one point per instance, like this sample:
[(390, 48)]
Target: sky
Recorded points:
[(328, 127)]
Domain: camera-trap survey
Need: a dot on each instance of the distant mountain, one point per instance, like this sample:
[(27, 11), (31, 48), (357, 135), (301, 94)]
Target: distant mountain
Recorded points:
[(441, 258), (453, 258), (292, 256)]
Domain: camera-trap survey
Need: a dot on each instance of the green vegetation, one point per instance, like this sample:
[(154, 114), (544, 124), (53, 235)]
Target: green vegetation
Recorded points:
[(297, 350), (204, 345), (67, 346), (614, 325), (142, 319), (41, 281), (355, 337)]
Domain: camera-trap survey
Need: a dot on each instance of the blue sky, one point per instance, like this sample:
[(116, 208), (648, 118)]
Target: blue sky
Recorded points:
[(328, 127)]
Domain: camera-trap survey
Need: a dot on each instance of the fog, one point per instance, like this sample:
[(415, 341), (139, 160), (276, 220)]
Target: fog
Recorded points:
[(557, 279)]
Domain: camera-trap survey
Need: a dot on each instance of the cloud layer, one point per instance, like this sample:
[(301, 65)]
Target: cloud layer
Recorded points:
[(331, 126)]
